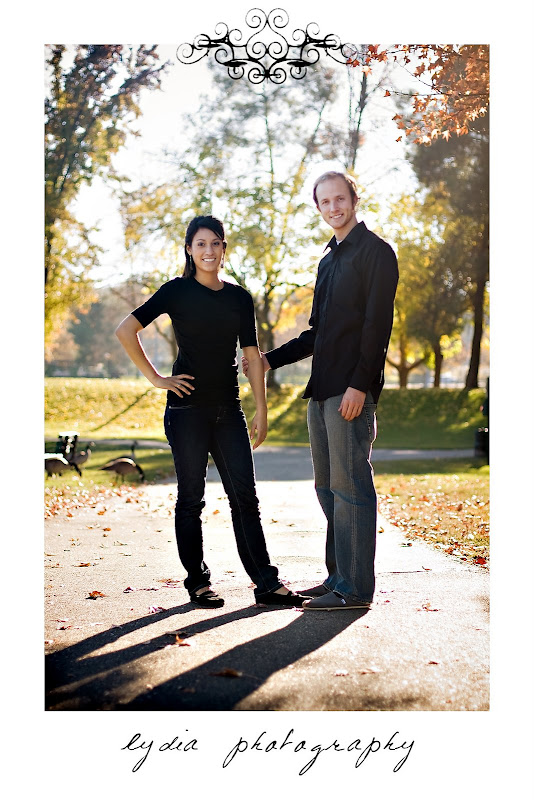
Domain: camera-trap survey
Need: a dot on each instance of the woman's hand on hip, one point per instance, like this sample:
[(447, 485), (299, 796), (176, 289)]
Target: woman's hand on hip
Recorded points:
[(258, 428), (179, 384)]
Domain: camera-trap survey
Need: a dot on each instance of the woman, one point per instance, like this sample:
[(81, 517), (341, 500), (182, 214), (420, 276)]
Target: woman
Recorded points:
[(203, 413)]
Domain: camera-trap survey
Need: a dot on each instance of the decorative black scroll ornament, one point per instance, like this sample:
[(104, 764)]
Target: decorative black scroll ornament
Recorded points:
[(260, 60)]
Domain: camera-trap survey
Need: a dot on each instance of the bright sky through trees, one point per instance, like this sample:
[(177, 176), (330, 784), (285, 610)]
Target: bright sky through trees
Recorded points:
[(380, 167)]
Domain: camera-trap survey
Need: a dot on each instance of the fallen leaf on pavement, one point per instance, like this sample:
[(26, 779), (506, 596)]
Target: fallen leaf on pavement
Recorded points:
[(369, 671), (228, 673), (428, 569), (130, 589), (433, 662), (94, 595), (427, 607), (84, 564), (106, 529), (479, 560), (156, 609), (63, 627), (179, 641)]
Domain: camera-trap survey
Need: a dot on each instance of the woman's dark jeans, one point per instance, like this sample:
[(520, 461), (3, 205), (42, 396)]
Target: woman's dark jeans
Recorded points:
[(221, 430)]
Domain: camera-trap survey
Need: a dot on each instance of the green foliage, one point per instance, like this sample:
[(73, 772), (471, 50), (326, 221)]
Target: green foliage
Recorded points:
[(458, 169), (132, 409), (92, 98), (431, 296)]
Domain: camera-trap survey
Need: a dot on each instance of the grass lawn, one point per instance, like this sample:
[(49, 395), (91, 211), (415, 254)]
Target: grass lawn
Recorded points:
[(445, 502), (130, 408)]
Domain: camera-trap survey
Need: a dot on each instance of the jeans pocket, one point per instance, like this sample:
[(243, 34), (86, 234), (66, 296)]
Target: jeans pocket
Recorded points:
[(369, 410)]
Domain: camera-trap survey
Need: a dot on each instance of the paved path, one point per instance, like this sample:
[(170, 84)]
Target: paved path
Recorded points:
[(423, 645)]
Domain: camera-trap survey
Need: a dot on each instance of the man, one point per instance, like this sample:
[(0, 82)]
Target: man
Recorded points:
[(350, 327)]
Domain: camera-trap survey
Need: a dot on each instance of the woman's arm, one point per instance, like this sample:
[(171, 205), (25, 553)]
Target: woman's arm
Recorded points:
[(128, 335), (256, 376)]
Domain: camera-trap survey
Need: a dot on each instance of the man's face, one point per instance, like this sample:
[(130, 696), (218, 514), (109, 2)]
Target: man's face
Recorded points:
[(336, 205)]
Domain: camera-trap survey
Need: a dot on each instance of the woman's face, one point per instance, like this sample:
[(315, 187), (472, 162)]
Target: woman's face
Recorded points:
[(206, 251)]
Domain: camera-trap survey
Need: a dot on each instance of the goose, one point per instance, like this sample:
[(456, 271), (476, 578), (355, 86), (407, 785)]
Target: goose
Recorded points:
[(56, 464), (81, 457), (130, 456), (124, 466)]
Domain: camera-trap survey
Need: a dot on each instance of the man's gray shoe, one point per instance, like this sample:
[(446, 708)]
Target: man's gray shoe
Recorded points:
[(315, 591), (332, 602)]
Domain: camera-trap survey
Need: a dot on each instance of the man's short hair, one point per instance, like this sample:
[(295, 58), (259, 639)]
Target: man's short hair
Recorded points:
[(349, 180)]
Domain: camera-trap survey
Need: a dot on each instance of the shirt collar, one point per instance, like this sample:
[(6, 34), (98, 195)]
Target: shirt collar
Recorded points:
[(352, 237)]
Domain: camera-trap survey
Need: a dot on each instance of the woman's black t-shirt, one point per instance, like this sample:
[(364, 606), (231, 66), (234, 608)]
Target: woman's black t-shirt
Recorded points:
[(207, 325)]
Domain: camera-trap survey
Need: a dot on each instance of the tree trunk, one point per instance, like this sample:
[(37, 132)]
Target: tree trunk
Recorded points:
[(266, 338), (471, 381), (438, 361)]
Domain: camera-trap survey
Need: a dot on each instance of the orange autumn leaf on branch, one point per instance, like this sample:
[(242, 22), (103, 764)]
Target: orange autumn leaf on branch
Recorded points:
[(454, 86)]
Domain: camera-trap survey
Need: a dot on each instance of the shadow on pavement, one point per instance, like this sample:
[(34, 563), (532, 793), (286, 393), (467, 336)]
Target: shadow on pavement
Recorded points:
[(75, 680)]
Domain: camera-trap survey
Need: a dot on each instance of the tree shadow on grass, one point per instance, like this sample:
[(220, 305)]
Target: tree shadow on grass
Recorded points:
[(122, 411), (77, 680)]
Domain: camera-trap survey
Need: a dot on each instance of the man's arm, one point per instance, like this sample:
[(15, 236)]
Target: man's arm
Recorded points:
[(383, 277), (294, 350)]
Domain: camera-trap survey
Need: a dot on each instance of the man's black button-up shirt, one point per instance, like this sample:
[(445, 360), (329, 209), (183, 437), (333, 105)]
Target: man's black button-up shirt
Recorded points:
[(351, 318)]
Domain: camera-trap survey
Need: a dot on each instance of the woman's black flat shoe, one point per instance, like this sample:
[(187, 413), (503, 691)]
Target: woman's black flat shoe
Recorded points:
[(209, 599), (274, 599)]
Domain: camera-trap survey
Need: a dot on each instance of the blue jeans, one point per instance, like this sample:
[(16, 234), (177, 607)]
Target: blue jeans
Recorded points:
[(341, 454), (193, 432)]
